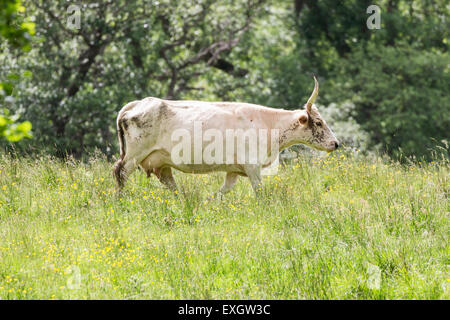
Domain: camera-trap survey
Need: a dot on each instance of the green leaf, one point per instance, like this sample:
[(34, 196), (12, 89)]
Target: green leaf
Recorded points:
[(24, 127)]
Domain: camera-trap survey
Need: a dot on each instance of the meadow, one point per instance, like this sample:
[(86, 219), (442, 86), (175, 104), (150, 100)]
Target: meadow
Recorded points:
[(336, 226)]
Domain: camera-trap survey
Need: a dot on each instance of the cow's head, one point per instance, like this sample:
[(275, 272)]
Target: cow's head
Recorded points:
[(313, 131)]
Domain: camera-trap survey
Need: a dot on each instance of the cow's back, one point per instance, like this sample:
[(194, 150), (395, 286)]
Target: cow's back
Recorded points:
[(154, 114)]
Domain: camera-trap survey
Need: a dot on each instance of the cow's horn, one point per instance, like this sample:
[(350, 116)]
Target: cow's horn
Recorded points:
[(314, 95)]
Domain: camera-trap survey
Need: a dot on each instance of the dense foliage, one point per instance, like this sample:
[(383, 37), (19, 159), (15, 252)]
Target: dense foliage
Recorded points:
[(16, 30), (387, 86)]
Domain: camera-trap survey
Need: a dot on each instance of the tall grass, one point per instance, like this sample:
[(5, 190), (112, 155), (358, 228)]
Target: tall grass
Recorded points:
[(332, 227)]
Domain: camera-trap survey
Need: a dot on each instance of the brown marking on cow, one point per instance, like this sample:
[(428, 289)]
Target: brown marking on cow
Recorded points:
[(288, 132), (141, 122), (164, 112), (124, 123), (317, 132)]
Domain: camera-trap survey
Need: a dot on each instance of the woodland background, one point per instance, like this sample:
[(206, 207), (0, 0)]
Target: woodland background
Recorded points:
[(383, 89)]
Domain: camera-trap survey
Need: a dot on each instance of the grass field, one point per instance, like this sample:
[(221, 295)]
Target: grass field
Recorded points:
[(339, 226)]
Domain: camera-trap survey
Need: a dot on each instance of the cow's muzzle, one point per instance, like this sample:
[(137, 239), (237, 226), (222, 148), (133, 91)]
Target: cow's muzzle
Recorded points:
[(333, 146)]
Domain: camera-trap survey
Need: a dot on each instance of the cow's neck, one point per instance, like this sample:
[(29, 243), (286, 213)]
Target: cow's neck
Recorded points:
[(287, 122)]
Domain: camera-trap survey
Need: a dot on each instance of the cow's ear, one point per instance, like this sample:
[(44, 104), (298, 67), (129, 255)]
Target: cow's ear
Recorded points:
[(303, 119)]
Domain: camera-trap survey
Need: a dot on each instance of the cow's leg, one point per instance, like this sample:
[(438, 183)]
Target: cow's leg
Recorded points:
[(253, 172), (230, 180), (165, 176)]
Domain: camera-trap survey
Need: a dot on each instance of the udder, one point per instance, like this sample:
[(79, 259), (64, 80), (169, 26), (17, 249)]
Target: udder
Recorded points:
[(154, 161)]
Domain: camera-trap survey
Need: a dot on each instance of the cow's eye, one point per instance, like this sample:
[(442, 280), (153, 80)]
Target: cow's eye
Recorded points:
[(319, 124)]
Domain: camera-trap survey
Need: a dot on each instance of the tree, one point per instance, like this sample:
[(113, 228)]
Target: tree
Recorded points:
[(256, 51), (402, 100), (396, 77), (123, 51), (17, 31)]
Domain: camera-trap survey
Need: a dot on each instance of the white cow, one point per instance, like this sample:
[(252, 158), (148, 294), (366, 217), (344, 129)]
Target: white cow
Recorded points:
[(150, 130)]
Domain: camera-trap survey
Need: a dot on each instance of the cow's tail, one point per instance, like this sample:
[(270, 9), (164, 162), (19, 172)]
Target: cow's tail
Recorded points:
[(121, 136), (119, 165)]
